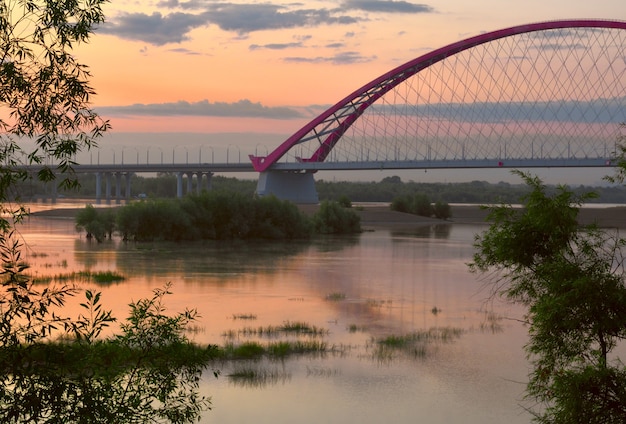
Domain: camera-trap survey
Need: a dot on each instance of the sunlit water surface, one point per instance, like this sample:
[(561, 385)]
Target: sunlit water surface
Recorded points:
[(359, 288)]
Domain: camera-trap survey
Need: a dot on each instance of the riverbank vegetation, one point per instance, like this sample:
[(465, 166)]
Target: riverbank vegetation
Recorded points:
[(572, 281), (420, 204), (215, 216), (57, 368)]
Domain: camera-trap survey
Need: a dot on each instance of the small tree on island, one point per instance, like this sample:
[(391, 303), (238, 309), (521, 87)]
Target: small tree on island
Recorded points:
[(571, 279)]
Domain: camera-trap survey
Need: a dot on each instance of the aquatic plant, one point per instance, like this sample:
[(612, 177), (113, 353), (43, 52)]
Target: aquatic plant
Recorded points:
[(353, 328), (413, 344), (335, 296), (280, 349), (100, 277), (244, 316), (257, 377)]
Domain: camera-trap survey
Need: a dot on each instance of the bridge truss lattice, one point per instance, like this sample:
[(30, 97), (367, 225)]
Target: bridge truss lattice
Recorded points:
[(541, 92)]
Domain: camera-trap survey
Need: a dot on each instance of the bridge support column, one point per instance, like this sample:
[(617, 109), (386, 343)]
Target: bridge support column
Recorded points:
[(179, 184), (98, 188), (209, 175), (189, 182), (107, 194), (128, 175), (118, 187), (292, 186), (199, 187)]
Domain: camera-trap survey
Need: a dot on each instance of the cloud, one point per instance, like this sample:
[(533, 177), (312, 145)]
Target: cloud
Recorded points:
[(384, 6), (155, 29), (159, 28), (275, 46), (343, 58), (244, 18), (185, 51), (603, 110), (242, 108)]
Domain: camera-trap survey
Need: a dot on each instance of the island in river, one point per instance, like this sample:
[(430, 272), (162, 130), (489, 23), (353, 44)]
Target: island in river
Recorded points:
[(380, 216)]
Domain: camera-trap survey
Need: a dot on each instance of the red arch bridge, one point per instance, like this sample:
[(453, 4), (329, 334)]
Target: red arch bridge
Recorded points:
[(549, 94)]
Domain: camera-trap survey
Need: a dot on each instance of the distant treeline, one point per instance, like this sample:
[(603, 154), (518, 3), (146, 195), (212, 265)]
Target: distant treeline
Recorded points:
[(480, 192), (386, 190)]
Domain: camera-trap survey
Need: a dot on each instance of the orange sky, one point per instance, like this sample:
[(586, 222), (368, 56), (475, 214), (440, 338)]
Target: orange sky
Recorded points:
[(278, 55)]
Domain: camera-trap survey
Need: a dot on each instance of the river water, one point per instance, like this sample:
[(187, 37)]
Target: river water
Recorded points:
[(360, 289)]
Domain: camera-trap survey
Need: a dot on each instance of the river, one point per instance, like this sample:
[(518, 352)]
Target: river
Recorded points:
[(360, 289)]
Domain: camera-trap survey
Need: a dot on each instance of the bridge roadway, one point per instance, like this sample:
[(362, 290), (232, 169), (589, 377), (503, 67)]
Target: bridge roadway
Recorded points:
[(204, 171), (200, 170)]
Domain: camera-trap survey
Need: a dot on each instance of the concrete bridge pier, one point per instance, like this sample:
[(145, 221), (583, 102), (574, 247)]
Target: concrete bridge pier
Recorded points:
[(190, 182), (118, 187), (98, 187), (200, 180), (179, 184), (107, 190), (128, 175), (298, 187)]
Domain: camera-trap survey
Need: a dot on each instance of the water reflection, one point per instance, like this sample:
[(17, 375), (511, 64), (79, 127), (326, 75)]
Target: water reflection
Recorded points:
[(361, 289), (437, 231), (219, 259)]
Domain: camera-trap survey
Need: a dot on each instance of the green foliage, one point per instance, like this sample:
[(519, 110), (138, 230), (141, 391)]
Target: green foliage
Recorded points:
[(332, 218), (90, 324), (97, 223), (159, 219), (217, 215), (442, 210), (26, 314), (401, 204), (620, 156), (148, 373), (572, 281), (44, 92), (476, 192), (212, 216), (420, 204), (345, 201)]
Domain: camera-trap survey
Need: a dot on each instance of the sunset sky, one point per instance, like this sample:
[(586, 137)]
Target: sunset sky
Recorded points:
[(205, 67)]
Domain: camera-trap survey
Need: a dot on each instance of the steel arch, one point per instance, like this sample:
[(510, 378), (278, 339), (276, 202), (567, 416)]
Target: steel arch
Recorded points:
[(336, 120)]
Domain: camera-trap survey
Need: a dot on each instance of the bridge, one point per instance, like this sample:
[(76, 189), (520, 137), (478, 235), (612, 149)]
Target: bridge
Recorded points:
[(114, 173), (549, 94)]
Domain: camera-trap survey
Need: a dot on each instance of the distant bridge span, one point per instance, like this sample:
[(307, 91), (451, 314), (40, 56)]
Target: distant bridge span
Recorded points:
[(549, 94)]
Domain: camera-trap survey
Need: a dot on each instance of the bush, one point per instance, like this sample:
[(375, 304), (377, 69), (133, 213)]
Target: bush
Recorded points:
[(442, 210), (419, 204), (344, 201), (332, 218), (96, 223), (401, 204), (213, 216)]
